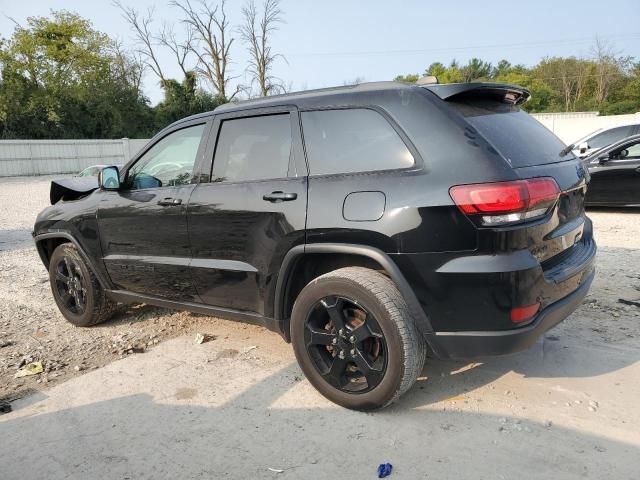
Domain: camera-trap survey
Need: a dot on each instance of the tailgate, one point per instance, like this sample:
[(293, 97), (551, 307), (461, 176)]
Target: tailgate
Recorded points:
[(567, 232)]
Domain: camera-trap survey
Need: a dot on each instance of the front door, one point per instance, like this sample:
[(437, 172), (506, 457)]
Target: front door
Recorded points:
[(251, 212), (143, 226), (616, 181)]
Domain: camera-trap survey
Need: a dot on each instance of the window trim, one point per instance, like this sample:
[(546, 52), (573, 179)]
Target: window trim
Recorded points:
[(418, 162), (206, 121), (296, 161)]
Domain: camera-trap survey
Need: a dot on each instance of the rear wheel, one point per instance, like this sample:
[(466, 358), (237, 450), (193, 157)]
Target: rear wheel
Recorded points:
[(355, 339), (76, 290)]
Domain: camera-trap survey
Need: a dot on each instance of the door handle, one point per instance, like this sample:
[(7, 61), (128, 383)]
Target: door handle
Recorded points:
[(166, 202), (276, 197)]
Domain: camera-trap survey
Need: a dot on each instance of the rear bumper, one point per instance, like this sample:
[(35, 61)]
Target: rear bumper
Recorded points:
[(479, 344)]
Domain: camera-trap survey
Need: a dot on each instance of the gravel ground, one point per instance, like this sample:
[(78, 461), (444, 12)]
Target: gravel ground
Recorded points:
[(32, 329)]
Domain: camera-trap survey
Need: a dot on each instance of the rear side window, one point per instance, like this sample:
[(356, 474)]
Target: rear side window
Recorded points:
[(516, 135), (610, 136), (253, 148), (352, 140)]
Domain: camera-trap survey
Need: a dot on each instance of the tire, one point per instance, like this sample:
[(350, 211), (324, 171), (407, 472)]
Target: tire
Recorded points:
[(76, 290), (361, 297)]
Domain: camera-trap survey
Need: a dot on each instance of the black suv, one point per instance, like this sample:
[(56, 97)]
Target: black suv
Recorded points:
[(364, 224)]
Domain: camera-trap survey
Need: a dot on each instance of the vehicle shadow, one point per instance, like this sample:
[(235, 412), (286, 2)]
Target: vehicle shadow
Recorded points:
[(140, 436), (445, 379)]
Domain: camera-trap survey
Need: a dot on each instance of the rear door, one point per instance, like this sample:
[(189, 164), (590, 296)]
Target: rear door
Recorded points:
[(250, 210), (143, 226), (616, 179)]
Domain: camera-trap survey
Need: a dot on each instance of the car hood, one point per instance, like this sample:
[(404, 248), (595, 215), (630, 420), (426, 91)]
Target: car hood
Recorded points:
[(72, 188)]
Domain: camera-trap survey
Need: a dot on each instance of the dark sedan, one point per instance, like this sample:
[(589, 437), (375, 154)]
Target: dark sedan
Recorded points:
[(615, 174)]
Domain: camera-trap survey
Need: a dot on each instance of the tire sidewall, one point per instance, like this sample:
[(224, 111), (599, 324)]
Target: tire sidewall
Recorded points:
[(387, 389), (84, 319)]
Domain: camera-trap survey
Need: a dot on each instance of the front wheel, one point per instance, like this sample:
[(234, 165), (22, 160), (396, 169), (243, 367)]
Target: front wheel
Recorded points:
[(76, 289), (355, 339)]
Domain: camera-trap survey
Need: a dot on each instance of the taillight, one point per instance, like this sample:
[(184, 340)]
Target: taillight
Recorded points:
[(506, 202), (523, 314)]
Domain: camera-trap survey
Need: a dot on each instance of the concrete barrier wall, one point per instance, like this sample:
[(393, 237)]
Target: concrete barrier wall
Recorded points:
[(47, 157), (575, 125)]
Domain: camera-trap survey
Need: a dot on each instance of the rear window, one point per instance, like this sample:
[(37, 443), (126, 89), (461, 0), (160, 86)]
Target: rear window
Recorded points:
[(516, 135), (608, 137), (352, 140)]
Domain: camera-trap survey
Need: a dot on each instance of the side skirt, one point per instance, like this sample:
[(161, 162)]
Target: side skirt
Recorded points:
[(123, 296)]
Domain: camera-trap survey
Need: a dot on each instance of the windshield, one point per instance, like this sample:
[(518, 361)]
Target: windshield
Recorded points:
[(520, 138)]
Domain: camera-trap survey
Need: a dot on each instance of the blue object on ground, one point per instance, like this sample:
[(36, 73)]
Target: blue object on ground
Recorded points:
[(384, 470)]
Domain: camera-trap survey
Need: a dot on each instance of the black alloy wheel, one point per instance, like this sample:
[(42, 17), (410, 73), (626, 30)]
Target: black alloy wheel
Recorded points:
[(346, 344), (71, 285), (79, 295), (355, 338)]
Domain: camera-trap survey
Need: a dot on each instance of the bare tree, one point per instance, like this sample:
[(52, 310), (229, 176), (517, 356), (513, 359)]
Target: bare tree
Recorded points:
[(256, 31), (211, 42), (566, 75), (146, 41), (181, 50), (609, 67), (129, 67)]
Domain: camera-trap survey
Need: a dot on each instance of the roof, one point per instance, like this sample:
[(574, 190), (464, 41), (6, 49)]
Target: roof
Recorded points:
[(345, 94), (300, 98)]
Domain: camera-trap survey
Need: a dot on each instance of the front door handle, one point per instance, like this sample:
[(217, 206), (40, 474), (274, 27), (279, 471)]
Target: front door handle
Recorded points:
[(276, 197), (168, 201)]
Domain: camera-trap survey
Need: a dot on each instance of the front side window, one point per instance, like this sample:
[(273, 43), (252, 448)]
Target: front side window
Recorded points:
[(630, 151), (169, 162), (352, 140), (610, 136), (253, 148)]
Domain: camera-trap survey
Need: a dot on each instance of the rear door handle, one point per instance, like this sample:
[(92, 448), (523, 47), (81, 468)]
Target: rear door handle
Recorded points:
[(166, 202), (276, 197)]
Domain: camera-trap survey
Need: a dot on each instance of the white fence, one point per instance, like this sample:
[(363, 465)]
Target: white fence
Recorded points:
[(572, 126), (47, 157)]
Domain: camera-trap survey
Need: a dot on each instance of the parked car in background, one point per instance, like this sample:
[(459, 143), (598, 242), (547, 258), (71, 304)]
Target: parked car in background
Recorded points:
[(603, 137), (365, 224), (615, 174), (94, 170)]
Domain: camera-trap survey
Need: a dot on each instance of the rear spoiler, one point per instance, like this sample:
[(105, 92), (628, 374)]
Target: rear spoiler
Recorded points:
[(512, 94)]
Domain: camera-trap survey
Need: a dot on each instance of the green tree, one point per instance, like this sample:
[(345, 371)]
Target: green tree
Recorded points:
[(183, 99), (409, 78), (63, 79), (607, 82)]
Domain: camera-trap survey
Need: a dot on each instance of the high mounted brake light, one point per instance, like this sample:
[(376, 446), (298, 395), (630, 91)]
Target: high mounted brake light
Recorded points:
[(506, 202)]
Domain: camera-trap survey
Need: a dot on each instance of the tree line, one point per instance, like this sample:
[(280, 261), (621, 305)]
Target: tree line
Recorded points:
[(605, 81), (62, 78)]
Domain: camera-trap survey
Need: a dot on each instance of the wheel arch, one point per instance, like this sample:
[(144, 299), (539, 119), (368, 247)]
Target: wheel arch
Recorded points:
[(331, 256), (46, 243)]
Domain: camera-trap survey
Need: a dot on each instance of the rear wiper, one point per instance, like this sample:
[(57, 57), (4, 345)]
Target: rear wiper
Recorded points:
[(567, 149)]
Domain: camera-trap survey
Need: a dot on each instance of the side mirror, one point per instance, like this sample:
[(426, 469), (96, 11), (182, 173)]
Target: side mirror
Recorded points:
[(583, 147), (603, 159), (109, 178)]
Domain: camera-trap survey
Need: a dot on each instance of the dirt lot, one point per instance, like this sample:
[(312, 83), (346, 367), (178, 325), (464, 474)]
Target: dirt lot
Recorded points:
[(567, 408), (32, 329)]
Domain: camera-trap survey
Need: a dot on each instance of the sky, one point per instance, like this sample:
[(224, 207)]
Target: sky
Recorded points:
[(332, 42)]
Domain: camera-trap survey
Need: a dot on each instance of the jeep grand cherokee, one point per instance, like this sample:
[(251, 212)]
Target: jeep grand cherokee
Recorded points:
[(365, 224)]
